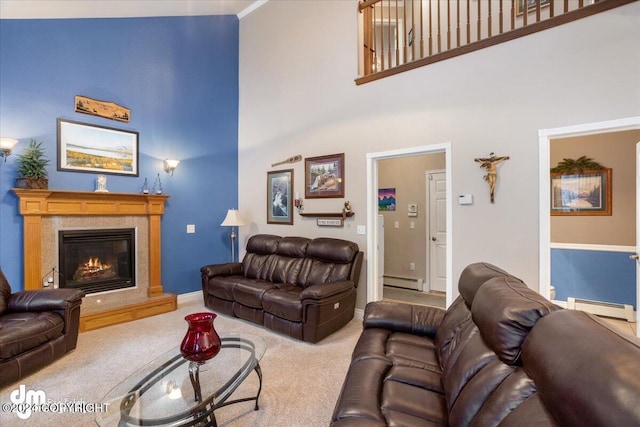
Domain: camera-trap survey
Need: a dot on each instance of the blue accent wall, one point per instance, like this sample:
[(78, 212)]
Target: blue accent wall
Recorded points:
[(179, 78), (594, 275)]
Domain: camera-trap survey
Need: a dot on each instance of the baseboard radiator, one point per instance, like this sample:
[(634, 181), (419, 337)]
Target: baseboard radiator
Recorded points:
[(403, 282), (618, 311)]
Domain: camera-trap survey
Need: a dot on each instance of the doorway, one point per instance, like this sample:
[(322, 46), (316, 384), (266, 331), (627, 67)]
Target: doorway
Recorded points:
[(545, 137), (374, 288)]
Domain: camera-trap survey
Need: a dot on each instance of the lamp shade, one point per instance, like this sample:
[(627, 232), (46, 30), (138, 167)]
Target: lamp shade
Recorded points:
[(232, 219)]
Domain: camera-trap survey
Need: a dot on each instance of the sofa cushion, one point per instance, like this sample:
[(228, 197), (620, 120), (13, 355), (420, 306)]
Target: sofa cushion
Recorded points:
[(222, 286), (263, 244), (474, 276), (284, 302), (585, 369), (505, 310), (249, 292), (24, 331), (332, 250)]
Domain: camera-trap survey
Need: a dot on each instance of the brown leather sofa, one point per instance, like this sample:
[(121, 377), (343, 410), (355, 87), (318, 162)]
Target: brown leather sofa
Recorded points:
[(500, 355), (303, 288), (36, 328)]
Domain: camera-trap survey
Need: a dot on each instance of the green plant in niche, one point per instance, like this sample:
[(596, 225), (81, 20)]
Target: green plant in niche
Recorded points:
[(31, 167), (578, 165)]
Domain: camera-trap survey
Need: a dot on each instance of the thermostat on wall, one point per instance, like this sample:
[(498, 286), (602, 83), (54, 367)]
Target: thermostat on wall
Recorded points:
[(465, 199)]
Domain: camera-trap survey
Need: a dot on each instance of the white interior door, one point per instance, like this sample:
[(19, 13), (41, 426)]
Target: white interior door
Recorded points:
[(380, 250), (437, 253)]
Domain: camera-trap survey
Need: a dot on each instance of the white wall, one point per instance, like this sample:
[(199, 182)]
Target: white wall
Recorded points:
[(298, 62)]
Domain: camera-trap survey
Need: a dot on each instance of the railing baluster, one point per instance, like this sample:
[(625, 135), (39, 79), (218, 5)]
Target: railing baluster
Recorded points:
[(439, 30), (448, 24), (479, 23), (513, 15), (489, 17), (406, 35), (538, 8), (397, 38), (413, 33), (375, 44), (430, 30), (389, 57), (501, 13), (457, 23), (421, 32), (468, 21), (566, 6)]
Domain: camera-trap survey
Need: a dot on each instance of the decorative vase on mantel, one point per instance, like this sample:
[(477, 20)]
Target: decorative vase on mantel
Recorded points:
[(201, 341)]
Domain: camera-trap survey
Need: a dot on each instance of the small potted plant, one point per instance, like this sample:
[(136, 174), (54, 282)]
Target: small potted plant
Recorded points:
[(31, 167)]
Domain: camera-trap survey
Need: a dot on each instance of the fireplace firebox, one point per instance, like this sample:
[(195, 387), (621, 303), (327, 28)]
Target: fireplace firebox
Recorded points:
[(97, 260)]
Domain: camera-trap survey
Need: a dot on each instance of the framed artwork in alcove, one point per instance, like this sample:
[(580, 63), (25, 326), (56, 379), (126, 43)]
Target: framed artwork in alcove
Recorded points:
[(581, 193)]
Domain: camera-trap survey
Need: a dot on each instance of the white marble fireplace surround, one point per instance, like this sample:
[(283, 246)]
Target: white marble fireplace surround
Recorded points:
[(51, 225)]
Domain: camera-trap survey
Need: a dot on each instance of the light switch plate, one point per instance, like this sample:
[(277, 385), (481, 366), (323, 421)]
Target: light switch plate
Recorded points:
[(191, 228)]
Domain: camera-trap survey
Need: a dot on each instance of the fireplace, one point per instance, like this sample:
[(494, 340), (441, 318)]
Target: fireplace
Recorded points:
[(97, 260)]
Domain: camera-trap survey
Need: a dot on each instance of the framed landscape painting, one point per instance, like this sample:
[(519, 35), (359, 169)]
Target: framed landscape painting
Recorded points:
[(583, 193), (324, 176), (90, 148), (279, 198)]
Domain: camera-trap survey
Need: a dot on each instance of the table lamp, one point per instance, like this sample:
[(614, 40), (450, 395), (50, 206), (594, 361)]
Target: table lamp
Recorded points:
[(232, 220)]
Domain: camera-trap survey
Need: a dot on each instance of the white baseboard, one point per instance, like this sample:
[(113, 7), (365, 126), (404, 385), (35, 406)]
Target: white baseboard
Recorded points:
[(190, 297), (359, 314), (562, 304)]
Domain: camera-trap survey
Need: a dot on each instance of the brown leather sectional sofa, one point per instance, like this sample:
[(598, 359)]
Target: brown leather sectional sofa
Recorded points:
[(36, 328), (500, 355), (303, 288)]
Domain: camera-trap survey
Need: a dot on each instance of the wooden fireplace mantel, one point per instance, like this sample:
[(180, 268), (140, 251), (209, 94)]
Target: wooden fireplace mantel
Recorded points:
[(35, 204)]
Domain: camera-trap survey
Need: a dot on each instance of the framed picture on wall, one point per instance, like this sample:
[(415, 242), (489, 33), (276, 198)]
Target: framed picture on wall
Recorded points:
[(583, 193), (324, 176), (386, 199), (279, 197), (531, 5), (83, 147)]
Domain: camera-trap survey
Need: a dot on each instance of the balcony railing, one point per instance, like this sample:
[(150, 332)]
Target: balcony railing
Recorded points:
[(399, 35)]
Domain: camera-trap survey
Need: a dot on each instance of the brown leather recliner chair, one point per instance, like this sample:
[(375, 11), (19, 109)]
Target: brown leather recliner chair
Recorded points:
[(36, 328)]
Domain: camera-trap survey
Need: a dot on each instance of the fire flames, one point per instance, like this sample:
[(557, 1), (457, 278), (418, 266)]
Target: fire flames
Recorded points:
[(93, 269)]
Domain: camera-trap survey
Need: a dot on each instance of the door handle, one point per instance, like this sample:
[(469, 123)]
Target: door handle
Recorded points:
[(634, 256), (434, 239)]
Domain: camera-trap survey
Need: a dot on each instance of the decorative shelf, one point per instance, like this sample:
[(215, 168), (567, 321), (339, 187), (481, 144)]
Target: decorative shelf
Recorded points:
[(329, 215)]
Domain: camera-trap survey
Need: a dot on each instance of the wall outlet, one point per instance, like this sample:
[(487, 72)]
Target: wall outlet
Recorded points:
[(396, 224), (191, 228), (412, 224), (361, 229), (412, 266)]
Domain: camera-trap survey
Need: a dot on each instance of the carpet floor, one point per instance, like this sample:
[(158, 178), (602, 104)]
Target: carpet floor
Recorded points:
[(301, 381)]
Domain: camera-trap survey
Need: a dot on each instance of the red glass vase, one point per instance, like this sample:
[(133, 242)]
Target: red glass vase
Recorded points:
[(201, 341)]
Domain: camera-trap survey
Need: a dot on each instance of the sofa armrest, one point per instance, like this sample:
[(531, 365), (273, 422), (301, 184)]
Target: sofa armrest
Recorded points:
[(325, 290), (228, 269), (400, 317), (44, 300)]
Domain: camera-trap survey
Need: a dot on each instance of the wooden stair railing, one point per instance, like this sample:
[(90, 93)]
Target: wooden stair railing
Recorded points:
[(400, 35)]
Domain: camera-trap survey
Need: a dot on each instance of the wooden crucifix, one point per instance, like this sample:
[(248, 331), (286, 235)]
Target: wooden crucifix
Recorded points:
[(490, 163)]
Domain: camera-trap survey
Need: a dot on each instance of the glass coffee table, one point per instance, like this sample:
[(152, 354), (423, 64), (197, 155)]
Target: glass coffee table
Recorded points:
[(170, 390)]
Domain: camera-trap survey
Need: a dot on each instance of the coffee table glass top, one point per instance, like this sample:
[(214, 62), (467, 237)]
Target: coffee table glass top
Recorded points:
[(165, 391)]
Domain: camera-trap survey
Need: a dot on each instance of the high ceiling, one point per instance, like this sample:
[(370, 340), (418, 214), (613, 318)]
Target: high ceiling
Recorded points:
[(44, 9)]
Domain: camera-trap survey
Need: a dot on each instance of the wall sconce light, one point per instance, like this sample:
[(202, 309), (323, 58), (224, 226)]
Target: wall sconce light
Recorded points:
[(170, 166), (6, 145), (232, 220)]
